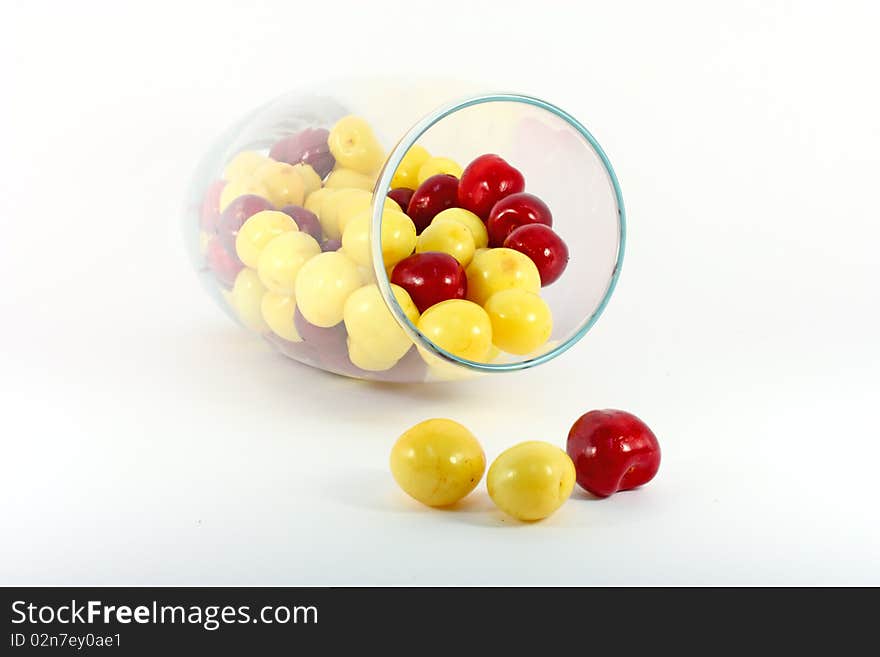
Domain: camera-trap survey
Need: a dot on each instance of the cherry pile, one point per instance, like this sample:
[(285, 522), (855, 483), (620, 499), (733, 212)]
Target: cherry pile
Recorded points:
[(493, 191), (286, 236)]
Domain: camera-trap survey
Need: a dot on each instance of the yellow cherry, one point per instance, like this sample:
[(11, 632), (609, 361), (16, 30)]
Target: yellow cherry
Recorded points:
[(315, 200), (283, 183), (343, 178), (353, 206), (437, 462), (436, 165), (246, 299), (243, 165), (407, 173), (315, 203), (354, 145), (311, 180), (467, 219), (499, 269), (521, 320), (240, 187), (331, 206), (283, 257), (448, 237), (374, 330), (530, 481), (323, 285), (460, 327), (398, 237), (260, 229), (351, 201), (278, 311), (361, 357)]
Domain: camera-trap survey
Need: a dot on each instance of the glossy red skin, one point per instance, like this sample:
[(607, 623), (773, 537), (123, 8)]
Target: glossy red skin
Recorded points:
[(612, 451), (222, 264), (485, 181), (514, 211), (402, 196), (433, 196), (545, 248), (306, 221), (209, 213), (430, 278), (235, 214)]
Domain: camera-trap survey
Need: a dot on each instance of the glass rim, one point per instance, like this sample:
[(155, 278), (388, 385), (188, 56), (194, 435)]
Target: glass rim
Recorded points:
[(384, 183)]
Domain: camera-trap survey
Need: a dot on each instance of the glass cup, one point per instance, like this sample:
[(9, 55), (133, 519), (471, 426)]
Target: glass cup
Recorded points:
[(322, 162)]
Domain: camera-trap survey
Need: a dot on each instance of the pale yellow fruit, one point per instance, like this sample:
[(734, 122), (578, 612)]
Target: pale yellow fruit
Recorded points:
[(437, 462), (333, 203), (283, 183), (353, 144), (282, 259), (372, 327), (448, 237), (246, 299), (311, 180), (353, 206), (342, 178), (398, 237), (459, 327), (315, 204), (243, 165), (521, 321), (407, 173), (240, 187), (436, 165), (494, 270), (260, 229), (530, 481), (278, 311), (467, 219), (363, 358), (323, 285)]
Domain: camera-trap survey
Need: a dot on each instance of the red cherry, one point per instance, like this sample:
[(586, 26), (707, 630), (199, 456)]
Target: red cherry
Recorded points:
[(514, 211), (402, 196), (612, 451), (209, 213), (309, 147), (543, 246), (485, 181), (305, 220), (430, 278), (433, 196), (235, 214), (222, 264)]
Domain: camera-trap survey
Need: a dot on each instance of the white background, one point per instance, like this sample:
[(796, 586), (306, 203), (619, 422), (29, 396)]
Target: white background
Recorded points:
[(148, 440)]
